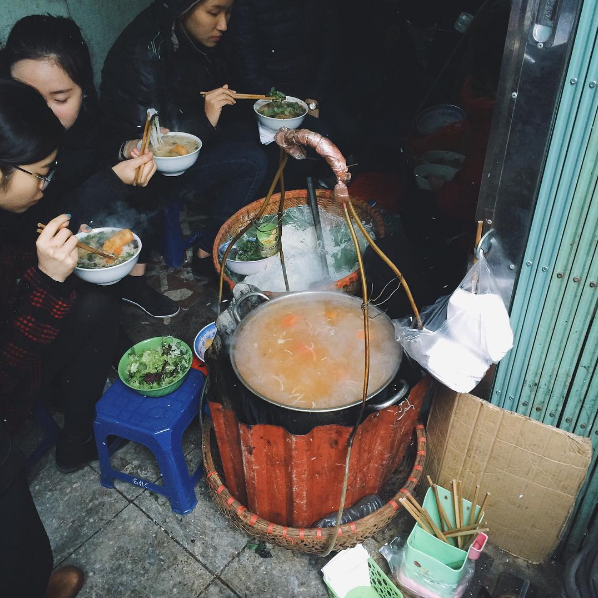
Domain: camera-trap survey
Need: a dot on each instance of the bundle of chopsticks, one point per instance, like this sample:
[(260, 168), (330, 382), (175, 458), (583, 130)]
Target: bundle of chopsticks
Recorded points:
[(84, 246), (463, 530), (246, 96)]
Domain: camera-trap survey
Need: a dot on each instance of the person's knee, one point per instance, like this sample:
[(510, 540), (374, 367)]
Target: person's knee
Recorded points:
[(99, 307)]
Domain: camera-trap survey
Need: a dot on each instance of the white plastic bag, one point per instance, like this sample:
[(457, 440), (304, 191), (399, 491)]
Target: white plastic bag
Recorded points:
[(463, 333)]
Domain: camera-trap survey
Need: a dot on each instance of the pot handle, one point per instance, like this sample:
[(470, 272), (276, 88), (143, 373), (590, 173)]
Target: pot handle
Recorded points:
[(238, 302), (400, 394)]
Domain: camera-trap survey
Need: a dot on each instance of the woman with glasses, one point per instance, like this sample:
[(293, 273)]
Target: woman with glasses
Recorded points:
[(49, 53)]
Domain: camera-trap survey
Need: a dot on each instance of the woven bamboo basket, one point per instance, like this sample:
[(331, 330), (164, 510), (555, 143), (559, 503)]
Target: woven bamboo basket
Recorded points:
[(311, 540), (298, 197)]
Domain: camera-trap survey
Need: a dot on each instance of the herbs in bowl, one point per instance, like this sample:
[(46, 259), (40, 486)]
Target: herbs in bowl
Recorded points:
[(155, 367), (282, 111)]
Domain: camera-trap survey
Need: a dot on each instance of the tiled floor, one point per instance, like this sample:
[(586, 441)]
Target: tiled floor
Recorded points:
[(131, 544)]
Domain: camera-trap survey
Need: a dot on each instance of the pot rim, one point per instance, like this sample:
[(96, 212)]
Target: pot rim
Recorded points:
[(292, 295)]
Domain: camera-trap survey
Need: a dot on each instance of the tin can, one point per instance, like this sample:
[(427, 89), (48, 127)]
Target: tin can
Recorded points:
[(267, 239)]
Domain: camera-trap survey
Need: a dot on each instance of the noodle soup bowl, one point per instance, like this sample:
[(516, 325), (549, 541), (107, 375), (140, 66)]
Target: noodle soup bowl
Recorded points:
[(109, 274), (276, 123), (177, 165)]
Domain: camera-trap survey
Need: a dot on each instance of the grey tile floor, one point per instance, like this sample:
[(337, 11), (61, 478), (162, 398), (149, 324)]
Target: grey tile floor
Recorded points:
[(131, 544)]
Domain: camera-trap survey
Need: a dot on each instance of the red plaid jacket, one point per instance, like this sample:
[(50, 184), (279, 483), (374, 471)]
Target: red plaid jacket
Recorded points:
[(32, 308)]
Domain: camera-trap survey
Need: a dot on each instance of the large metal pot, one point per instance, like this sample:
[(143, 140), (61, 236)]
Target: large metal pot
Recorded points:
[(261, 408)]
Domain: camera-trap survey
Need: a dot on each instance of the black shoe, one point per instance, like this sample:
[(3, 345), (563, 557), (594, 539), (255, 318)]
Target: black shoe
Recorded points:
[(136, 290), (202, 267), (72, 455)]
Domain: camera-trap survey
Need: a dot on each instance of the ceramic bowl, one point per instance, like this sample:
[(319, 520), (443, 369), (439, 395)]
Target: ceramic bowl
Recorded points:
[(204, 339), (423, 171), (153, 343), (277, 123), (436, 117), (243, 267), (110, 274), (444, 158), (177, 165)]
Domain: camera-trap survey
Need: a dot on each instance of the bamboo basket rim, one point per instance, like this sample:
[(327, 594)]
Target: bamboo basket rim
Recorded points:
[(324, 196), (311, 540)]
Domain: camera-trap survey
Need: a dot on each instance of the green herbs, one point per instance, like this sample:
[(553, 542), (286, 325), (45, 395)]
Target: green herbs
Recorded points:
[(157, 368), (279, 107)]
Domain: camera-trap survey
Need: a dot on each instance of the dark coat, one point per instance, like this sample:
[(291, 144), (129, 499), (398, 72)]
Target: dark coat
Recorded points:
[(286, 44), (153, 64)]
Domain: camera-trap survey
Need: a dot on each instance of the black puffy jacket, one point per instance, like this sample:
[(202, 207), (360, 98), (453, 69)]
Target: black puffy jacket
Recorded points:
[(153, 64), (287, 44)]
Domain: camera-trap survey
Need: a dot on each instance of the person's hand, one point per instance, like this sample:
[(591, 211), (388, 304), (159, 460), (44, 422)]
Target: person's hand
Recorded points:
[(215, 100), (57, 249), (315, 113), (130, 148), (125, 171)]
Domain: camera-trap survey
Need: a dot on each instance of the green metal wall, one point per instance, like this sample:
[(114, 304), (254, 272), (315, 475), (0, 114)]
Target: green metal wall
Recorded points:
[(101, 22), (551, 374)]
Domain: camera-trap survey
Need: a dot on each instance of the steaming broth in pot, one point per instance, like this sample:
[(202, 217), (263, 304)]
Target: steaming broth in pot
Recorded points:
[(309, 353)]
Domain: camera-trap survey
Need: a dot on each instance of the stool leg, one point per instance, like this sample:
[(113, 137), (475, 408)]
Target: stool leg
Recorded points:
[(179, 487), (101, 436), (173, 245)]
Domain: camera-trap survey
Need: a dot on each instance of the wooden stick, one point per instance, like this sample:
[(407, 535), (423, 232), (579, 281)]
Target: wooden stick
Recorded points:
[(444, 520), (84, 246), (466, 532), (478, 238), (463, 528), (456, 507), (246, 96), (144, 144), (460, 499), (427, 518), (482, 507), (474, 502), (407, 506)]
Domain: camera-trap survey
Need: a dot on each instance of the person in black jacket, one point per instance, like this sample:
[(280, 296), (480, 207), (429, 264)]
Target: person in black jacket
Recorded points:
[(49, 53), (55, 330), (163, 60)]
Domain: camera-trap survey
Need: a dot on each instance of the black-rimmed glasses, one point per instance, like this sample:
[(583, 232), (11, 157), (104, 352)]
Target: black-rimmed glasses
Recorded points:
[(46, 179)]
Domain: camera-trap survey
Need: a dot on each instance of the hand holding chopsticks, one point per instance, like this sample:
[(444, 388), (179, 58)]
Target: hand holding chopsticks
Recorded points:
[(57, 249), (144, 145), (41, 227)]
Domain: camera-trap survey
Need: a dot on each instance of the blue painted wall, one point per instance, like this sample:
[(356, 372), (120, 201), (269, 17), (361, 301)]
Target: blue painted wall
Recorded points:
[(100, 20)]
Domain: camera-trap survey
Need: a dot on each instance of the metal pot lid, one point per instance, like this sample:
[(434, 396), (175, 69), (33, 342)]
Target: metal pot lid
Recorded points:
[(259, 347)]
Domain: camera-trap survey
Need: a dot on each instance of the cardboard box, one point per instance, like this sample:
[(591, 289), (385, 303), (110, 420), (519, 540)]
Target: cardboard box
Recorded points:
[(533, 471)]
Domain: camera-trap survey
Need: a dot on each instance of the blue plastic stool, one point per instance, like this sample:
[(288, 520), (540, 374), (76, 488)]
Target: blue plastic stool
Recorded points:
[(159, 424), (173, 242)]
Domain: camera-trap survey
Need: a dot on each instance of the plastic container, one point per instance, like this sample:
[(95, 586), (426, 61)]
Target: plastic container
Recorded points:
[(153, 343), (432, 568), (267, 238), (382, 586)]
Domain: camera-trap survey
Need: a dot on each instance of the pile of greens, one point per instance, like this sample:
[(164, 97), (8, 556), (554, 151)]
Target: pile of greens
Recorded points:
[(156, 368), (280, 108)]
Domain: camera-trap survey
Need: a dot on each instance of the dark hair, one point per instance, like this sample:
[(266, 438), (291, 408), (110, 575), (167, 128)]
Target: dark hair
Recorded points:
[(39, 37), (30, 131)]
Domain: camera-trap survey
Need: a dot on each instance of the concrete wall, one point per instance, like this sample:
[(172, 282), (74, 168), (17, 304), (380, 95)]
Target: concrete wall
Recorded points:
[(100, 20)]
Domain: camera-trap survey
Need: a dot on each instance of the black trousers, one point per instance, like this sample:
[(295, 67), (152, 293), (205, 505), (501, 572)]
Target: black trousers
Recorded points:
[(25, 554), (76, 365)]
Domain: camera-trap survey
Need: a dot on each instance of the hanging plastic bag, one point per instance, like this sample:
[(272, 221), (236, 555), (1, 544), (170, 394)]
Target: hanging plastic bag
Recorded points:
[(463, 333)]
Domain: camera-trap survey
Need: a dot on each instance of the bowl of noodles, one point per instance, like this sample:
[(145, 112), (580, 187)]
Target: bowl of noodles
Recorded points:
[(275, 114), (124, 244), (175, 153)]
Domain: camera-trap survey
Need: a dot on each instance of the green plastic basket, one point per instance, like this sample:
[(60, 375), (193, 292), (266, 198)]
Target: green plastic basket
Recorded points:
[(381, 587)]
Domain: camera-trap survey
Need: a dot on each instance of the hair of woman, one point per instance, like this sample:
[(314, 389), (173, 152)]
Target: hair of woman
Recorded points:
[(43, 37), (30, 131)]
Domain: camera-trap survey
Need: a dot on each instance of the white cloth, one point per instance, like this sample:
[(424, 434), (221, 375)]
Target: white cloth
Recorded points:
[(348, 570), (266, 134)]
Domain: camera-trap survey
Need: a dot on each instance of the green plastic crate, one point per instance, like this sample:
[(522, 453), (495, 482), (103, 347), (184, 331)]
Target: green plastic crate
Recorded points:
[(381, 587)]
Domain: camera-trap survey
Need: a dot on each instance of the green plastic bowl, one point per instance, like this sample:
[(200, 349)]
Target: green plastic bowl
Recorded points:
[(153, 343)]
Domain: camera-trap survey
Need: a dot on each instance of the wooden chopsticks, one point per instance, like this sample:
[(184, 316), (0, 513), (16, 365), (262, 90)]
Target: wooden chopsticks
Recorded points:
[(84, 246), (144, 143), (450, 533), (246, 96)]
